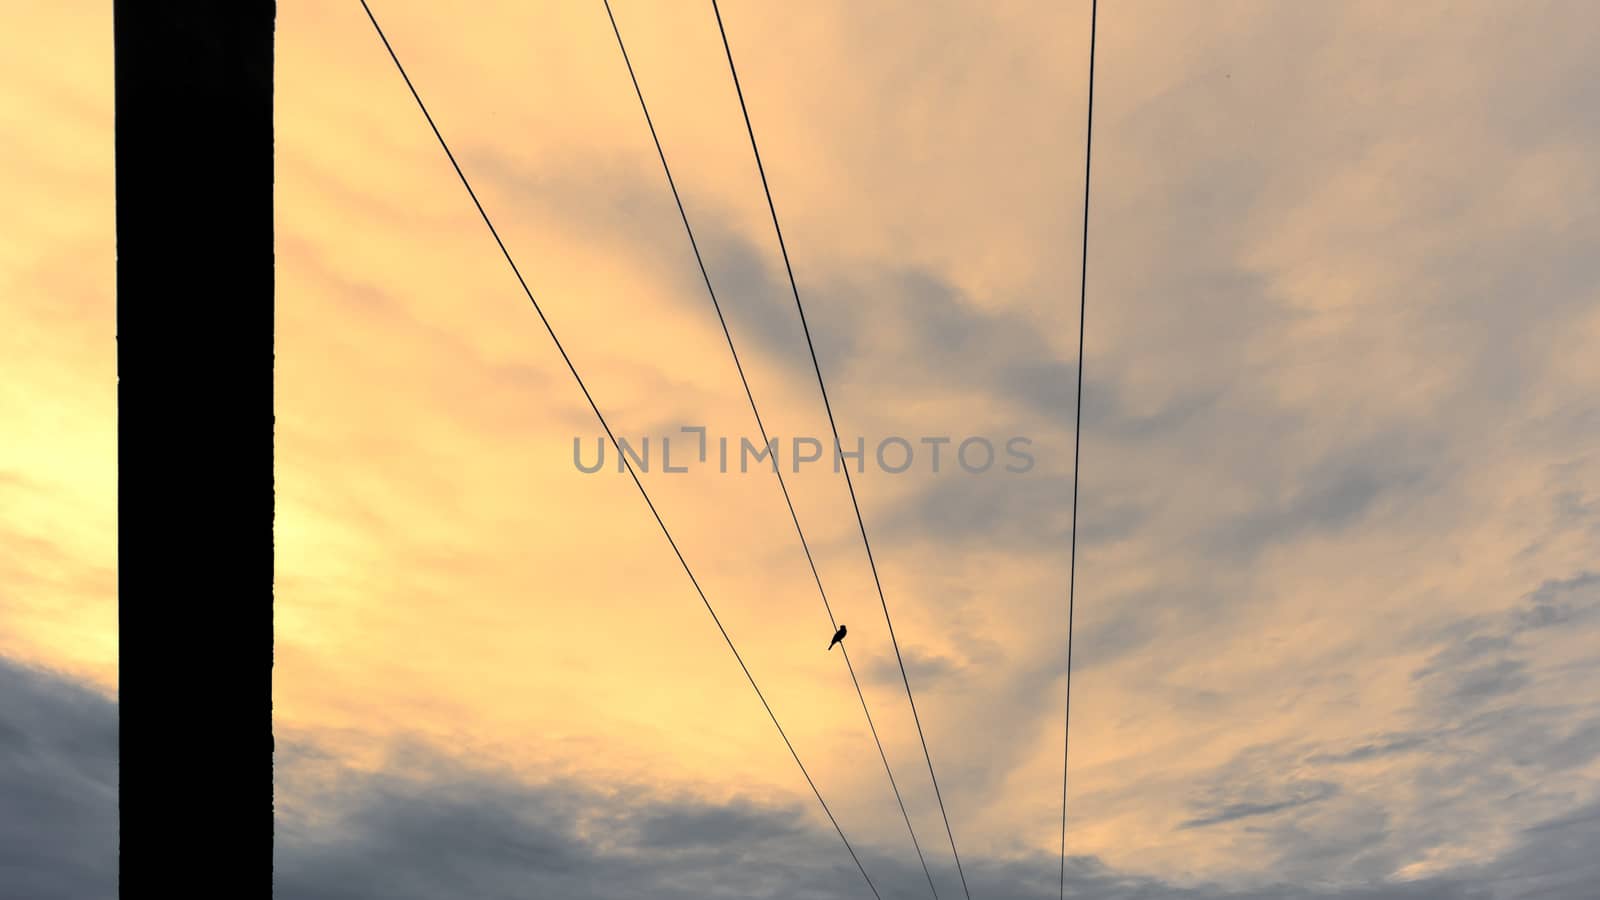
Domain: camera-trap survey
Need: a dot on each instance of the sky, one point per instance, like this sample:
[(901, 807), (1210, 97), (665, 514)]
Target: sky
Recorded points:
[(1338, 551)]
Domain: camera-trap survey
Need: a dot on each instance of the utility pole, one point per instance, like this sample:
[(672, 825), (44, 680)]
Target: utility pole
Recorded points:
[(194, 170)]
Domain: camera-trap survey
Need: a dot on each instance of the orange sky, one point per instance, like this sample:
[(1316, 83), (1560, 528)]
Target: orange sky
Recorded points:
[(1319, 452)]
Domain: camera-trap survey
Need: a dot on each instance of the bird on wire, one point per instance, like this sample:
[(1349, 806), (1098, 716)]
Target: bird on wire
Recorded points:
[(837, 636)]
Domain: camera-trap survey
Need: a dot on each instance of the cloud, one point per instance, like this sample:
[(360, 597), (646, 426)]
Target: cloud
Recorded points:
[(443, 827), (1481, 659), (1339, 418), (1389, 745), (923, 669), (1502, 733), (427, 824), (689, 826), (1333, 494), (1566, 602), (58, 781), (1555, 858), (1300, 795)]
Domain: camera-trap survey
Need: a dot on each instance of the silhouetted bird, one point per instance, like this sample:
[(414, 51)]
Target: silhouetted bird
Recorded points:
[(837, 637)]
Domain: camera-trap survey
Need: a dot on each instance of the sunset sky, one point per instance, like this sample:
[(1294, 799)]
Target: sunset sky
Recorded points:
[(1338, 582)]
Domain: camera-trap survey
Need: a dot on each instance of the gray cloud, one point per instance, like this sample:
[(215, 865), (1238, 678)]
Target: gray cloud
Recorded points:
[(58, 787), (1499, 736), (630, 209), (1389, 745), (446, 829), (689, 825), (429, 825), (1299, 795), (923, 669), (1554, 859), (1333, 494), (1482, 659), (944, 340), (1569, 601)]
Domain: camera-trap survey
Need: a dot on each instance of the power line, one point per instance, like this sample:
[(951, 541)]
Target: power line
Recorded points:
[(750, 395), (1077, 437), (838, 446), (620, 455)]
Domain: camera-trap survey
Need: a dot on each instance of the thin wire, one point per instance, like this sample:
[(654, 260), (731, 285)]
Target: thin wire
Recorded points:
[(838, 445), (1077, 436), (620, 455), (788, 501)]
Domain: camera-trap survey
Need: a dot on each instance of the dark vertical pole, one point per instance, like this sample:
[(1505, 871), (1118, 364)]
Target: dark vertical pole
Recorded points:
[(194, 325)]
